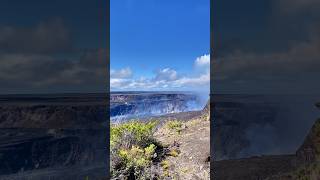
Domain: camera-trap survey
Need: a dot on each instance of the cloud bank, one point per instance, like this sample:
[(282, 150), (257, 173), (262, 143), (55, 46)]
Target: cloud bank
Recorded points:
[(166, 79), (52, 36), (43, 58)]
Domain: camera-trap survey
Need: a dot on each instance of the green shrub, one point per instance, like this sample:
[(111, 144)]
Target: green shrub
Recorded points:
[(174, 153), (165, 166), (137, 157), (175, 125), (133, 149), (138, 132)]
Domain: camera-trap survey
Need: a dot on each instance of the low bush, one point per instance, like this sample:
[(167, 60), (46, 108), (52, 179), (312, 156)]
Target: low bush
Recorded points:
[(138, 157), (174, 153), (132, 133), (133, 149), (175, 125), (165, 166)]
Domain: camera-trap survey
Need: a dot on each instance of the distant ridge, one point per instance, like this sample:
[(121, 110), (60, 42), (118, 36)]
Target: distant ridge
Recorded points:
[(21, 99), (152, 92)]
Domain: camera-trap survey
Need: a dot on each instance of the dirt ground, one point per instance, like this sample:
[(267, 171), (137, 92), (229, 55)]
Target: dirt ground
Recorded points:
[(189, 149)]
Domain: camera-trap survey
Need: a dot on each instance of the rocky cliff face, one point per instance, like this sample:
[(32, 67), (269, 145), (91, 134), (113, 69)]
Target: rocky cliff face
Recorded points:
[(33, 149), (126, 105), (52, 116), (233, 122), (304, 164), (51, 138), (249, 125), (309, 152)]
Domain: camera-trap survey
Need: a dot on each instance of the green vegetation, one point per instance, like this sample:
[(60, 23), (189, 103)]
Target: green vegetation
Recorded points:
[(174, 153), (138, 132), (206, 117), (136, 154), (133, 149), (165, 166), (175, 125)]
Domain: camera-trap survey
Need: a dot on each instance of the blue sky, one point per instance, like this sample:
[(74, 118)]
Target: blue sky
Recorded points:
[(158, 42)]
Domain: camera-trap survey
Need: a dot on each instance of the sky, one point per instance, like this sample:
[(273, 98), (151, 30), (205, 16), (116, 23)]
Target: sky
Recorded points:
[(53, 46), (159, 45), (266, 47)]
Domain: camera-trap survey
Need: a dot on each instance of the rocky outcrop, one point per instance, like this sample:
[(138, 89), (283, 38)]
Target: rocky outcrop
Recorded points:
[(309, 152), (206, 109)]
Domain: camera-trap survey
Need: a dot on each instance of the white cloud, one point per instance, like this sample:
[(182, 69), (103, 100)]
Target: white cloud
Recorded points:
[(167, 74), (118, 83), (202, 80), (121, 74), (164, 79), (203, 61)]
